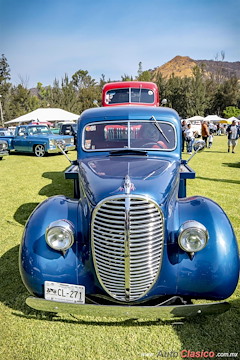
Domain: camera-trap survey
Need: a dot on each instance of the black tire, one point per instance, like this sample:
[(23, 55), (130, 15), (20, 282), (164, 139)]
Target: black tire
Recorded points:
[(39, 150)]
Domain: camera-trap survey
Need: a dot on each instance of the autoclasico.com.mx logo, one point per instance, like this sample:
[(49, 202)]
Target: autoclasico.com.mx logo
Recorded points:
[(189, 354)]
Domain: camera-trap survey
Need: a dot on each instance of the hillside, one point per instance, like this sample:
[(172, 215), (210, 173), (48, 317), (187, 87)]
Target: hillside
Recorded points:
[(182, 66)]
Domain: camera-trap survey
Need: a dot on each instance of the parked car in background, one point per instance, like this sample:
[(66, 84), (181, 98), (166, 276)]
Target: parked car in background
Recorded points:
[(37, 139), (69, 129), (5, 132), (130, 243), (3, 148)]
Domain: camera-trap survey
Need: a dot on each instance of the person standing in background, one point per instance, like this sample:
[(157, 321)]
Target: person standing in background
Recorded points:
[(184, 127), (205, 132), (189, 136), (233, 134)]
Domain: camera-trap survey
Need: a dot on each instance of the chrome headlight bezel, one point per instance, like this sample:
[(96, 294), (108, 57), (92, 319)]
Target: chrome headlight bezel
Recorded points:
[(193, 236), (59, 235), (4, 145)]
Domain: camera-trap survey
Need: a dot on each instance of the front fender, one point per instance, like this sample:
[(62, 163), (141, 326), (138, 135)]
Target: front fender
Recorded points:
[(213, 272), (38, 262)]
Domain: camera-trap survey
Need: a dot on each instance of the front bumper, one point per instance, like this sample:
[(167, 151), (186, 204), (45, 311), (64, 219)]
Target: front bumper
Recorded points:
[(3, 153), (120, 311), (57, 150)]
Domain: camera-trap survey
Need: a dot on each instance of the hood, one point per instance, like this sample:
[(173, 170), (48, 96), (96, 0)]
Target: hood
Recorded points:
[(105, 177), (51, 136)]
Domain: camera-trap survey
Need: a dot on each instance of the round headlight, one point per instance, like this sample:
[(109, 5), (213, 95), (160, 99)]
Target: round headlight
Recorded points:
[(4, 145), (193, 236), (60, 235)]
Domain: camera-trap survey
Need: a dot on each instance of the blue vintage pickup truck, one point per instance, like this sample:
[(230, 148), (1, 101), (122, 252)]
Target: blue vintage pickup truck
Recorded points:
[(37, 139), (130, 243)]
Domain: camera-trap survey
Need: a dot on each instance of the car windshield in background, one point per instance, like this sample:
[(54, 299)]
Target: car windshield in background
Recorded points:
[(38, 130), (150, 135), (132, 95)]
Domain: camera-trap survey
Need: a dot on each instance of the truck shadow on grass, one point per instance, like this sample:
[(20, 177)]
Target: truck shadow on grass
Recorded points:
[(59, 185), (219, 180), (233, 165)]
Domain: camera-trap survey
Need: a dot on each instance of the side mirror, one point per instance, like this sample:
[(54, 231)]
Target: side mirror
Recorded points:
[(164, 102), (95, 102), (198, 145)]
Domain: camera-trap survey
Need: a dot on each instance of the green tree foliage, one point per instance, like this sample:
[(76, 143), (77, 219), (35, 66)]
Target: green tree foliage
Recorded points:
[(4, 86), (126, 77), (196, 95), (143, 75), (22, 102), (231, 111)]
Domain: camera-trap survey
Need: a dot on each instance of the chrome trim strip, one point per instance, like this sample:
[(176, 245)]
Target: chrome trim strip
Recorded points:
[(127, 244)]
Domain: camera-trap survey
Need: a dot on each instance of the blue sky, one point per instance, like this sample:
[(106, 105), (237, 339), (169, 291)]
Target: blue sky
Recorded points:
[(46, 39)]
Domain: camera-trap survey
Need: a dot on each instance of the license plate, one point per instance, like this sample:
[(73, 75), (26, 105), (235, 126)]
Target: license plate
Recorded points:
[(68, 293)]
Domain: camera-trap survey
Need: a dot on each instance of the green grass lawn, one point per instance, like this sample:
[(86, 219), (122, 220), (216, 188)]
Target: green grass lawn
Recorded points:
[(28, 335)]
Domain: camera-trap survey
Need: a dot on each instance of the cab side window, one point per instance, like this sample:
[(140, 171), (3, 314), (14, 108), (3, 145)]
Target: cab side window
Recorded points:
[(22, 131)]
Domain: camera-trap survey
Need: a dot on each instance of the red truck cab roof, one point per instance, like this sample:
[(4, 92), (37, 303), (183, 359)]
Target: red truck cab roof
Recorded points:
[(130, 93)]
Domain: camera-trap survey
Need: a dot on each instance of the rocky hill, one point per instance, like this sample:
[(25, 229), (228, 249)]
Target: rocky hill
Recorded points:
[(182, 66)]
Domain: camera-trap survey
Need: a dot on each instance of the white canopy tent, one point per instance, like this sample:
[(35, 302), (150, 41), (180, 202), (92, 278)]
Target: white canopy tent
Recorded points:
[(213, 118), (45, 115), (233, 118), (196, 117)]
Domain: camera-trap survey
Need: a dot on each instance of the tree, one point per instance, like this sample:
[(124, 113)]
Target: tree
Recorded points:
[(81, 79), (143, 75), (4, 88), (4, 70), (176, 94), (69, 95), (22, 102), (227, 94), (231, 111), (126, 77), (196, 95)]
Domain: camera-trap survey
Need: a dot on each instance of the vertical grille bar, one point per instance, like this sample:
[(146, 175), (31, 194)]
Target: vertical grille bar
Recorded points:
[(127, 245)]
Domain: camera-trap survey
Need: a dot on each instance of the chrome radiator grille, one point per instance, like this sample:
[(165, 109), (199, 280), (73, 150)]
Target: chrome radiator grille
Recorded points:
[(127, 244)]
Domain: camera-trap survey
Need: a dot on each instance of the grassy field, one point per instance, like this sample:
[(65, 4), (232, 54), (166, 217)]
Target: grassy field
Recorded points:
[(28, 335)]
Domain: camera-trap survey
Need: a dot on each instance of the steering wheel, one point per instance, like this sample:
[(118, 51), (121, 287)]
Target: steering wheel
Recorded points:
[(154, 144)]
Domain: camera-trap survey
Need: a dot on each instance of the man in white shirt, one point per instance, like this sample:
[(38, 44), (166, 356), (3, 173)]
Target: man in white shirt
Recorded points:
[(189, 136), (233, 134)]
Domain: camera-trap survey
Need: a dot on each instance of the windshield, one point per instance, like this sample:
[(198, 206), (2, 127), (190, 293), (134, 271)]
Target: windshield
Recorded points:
[(38, 130), (130, 95), (129, 135)]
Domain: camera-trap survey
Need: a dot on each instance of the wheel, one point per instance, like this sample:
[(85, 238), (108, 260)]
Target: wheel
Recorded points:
[(39, 150)]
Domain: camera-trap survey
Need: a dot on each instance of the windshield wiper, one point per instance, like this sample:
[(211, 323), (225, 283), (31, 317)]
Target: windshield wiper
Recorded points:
[(159, 128), (128, 151)]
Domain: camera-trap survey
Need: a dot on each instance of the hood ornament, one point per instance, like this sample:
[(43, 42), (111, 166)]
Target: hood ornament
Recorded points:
[(128, 185)]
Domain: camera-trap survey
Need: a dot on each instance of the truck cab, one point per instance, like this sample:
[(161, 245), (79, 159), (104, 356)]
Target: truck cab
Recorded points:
[(130, 93)]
